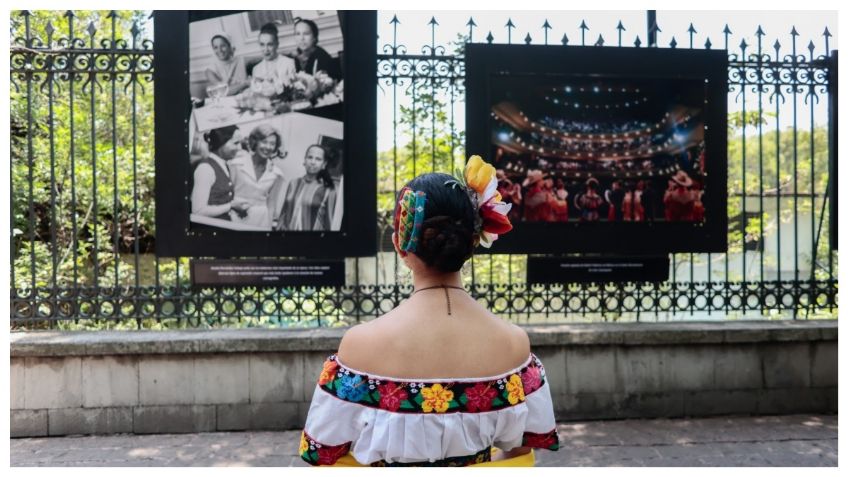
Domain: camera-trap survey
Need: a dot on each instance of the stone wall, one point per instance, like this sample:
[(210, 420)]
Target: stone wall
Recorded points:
[(224, 380)]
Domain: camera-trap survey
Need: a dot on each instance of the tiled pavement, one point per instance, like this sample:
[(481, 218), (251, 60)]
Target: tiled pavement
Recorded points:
[(794, 440)]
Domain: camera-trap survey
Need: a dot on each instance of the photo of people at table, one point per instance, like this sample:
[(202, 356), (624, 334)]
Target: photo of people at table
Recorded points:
[(279, 174), (599, 150), (266, 131), (251, 65)]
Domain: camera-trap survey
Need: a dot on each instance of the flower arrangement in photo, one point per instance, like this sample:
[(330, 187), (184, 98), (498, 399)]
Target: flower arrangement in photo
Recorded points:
[(480, 182), (307, 87)]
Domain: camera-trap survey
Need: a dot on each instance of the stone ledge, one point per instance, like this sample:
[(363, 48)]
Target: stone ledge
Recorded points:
[(98, 343)]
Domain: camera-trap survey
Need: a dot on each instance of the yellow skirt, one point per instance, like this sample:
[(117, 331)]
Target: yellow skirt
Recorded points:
[(525, 460)]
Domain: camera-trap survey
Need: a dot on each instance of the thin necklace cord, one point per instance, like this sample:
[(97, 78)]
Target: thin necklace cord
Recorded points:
[(445, 288)]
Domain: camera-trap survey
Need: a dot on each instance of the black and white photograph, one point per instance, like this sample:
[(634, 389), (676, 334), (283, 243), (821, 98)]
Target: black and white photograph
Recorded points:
[(278, 174), (266, 129), (256, 64), (256, 139)]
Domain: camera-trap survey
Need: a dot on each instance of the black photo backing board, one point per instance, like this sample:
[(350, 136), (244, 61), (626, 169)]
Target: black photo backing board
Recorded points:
[(177, 236)]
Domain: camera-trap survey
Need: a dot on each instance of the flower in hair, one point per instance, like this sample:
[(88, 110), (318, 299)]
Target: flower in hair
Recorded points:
[(482, 186)]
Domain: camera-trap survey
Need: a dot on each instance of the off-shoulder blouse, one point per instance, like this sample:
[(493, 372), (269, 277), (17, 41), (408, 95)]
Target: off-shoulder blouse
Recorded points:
[(382, 420)]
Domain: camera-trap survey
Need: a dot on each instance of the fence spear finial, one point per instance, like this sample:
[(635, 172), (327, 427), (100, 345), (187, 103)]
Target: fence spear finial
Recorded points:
[(827, 36), (692, 32), (620, 29), (583, 29), (547, 26), (509, 26)]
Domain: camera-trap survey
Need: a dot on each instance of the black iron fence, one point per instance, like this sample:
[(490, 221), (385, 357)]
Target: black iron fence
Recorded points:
[(82, 224)]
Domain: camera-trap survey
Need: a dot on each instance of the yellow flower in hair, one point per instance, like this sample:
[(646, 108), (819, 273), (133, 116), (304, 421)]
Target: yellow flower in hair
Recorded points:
[(474, 163), (478, 174)]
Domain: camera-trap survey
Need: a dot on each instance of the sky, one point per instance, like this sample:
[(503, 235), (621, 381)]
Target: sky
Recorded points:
[(415, 31)]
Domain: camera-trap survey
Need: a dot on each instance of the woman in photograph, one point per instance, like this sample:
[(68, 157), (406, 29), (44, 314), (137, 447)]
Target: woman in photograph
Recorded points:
[(615, 198), (226, 68), (560, 203), (309, 57), (537, 199), (212, 194), (257, 177), (590, 201), (271, 75), (678, 199), (632, 203), (310, 201)]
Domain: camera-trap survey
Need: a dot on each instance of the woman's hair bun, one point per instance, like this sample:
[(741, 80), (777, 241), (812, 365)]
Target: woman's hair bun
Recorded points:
[(446, 237), (446, 243)]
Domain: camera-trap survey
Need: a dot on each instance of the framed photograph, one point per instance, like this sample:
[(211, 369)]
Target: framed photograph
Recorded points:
[(603, 150), (258, 114)]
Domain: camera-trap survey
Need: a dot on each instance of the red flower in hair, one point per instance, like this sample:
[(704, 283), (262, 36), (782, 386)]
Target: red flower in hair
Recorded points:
[(494, 221)]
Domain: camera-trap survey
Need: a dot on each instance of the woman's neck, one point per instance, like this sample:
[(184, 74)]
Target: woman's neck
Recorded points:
[(420, 280)]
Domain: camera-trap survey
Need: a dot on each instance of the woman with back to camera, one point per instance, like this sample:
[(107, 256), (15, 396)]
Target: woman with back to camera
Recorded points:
[(439, 380), (310, 200)]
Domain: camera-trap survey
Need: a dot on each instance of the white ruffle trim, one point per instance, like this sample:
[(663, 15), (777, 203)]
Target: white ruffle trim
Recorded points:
[(378, 434)]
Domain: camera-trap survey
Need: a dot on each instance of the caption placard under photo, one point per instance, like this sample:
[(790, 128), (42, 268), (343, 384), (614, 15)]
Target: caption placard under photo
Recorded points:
[(267, 273), (596, 269)]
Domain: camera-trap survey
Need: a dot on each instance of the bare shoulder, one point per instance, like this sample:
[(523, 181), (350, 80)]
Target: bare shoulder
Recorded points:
[(357, 346), (353, 344), (520, 341)]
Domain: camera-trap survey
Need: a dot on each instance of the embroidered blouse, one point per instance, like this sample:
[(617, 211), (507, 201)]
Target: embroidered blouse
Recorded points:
[(385, 421)]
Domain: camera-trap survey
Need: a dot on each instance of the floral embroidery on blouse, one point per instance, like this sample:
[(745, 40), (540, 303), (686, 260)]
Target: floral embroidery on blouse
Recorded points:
[(479, 398), (531, 379), (431, 397), (515, 389), (351, 389), (391, 396), (329, 372), (315, 453), (436, 398), (547, 440)]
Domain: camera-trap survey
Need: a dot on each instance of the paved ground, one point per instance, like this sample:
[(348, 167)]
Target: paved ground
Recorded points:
[(796, 440)]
